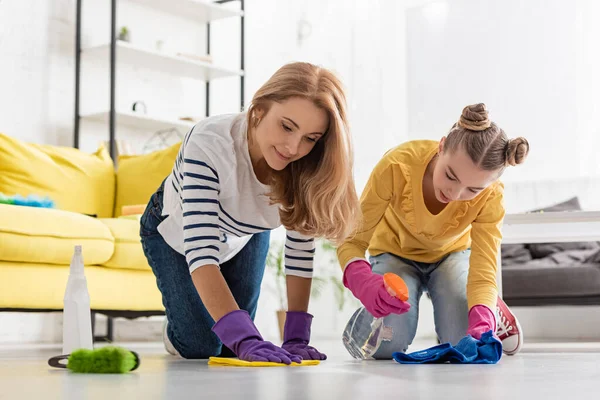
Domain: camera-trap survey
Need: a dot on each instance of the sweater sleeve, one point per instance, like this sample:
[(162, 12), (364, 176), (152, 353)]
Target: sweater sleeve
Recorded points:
[(299, 254), (486, 236), (374, 202), (200, 198)]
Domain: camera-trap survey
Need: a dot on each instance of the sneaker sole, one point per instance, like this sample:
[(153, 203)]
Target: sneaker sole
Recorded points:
[(519, 341)]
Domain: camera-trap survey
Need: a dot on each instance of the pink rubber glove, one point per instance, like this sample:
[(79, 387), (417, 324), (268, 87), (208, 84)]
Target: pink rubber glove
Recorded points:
[(370, 290), (481, 320)]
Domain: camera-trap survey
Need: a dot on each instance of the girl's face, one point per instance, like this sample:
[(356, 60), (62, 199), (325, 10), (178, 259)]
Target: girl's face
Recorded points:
[(289, 130), (456, 177)]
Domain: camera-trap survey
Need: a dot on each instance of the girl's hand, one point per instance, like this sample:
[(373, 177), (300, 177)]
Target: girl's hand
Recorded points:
[(370, 289), (481, 320)]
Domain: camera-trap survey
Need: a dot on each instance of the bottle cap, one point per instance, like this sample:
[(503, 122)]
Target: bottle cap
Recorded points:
[(77, 261), (396, 286)]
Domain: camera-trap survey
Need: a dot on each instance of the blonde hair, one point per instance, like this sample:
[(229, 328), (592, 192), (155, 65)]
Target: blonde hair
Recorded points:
[(484, 141), (316, 193)]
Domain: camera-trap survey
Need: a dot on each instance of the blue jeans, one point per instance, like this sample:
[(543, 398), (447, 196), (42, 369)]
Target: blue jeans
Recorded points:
[(189, 327), (446, 282)]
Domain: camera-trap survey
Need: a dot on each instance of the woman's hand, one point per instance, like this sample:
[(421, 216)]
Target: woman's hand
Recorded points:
[(237, 331), (296, 335)]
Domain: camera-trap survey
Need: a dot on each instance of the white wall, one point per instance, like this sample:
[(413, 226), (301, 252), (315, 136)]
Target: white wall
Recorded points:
[(36, 70), (533, 63)]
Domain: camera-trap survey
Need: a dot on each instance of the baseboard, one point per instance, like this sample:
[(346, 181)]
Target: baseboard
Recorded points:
[(28, 327), (559, 323), (16, 327)]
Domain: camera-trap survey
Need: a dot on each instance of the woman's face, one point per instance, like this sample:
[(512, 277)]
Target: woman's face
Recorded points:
[(456, 177), (289, 130)]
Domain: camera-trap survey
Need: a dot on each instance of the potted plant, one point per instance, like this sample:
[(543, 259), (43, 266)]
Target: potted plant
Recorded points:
[(328, 263), (124, 34)]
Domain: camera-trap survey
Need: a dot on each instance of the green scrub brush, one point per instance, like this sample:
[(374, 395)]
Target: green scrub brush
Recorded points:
[(105, 360)]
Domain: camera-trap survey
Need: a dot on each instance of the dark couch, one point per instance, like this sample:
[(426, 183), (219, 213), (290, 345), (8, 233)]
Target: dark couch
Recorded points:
[(552, 273)]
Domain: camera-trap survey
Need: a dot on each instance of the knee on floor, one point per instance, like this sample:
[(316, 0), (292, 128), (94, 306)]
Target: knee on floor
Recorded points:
[(199, 353)]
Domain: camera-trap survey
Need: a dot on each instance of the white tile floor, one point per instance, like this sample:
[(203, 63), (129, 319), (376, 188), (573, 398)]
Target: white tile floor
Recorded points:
[(544, 371)]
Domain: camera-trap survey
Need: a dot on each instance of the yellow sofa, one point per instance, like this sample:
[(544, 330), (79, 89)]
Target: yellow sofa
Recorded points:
[(36, 244)]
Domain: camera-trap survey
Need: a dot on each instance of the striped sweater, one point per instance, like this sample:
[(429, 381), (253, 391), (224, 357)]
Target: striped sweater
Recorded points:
[(213, 201)]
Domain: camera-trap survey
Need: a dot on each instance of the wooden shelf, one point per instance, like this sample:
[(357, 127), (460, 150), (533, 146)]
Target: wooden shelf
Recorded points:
[(140, 121), (176, 65), (199, 10)]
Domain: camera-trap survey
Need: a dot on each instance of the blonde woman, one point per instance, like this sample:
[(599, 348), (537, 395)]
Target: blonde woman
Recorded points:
[(205, 232), (433, 213)]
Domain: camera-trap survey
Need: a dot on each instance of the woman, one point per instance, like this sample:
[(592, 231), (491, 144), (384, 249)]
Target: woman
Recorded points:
[(286, 161)]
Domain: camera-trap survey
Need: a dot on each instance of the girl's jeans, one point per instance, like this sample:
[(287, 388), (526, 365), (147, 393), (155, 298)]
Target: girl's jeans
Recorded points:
[(446, 282)]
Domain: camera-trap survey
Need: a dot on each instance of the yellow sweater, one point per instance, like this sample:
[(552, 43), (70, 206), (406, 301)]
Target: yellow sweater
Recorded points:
[(397, 221)]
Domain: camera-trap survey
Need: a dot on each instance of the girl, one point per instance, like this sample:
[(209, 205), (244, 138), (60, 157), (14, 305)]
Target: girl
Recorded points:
[(205, 232), (433, 213)]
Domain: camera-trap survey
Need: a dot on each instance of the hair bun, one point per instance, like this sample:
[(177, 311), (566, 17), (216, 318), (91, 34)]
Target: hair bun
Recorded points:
[(475, 118), (516, 151)]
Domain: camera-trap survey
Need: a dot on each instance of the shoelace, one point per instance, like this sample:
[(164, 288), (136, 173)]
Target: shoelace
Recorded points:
[(503, 328)]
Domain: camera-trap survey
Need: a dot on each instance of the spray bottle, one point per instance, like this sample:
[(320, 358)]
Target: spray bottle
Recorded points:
[(77, 322), (397, 288)]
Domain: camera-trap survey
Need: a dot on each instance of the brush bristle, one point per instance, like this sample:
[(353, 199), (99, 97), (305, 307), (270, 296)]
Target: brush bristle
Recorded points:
[(105, 360)]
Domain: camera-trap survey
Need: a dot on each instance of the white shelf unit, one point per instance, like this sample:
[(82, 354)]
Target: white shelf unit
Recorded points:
[(119, 52), (139, 121), (200, 11), (177, 65)]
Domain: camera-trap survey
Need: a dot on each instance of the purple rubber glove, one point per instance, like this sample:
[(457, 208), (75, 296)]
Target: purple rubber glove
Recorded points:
[(370, 290), (237, 331), (481, 320), (296, 335)]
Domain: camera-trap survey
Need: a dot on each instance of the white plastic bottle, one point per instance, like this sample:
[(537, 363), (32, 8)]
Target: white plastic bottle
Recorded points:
[(77, 321)]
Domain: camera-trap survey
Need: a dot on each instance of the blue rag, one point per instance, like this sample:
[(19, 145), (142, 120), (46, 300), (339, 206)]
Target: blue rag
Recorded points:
[(469, 350)]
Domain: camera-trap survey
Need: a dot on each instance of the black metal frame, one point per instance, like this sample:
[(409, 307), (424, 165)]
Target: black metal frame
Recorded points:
[(113, 79), (113, 61), (242, 50), (77, 71)]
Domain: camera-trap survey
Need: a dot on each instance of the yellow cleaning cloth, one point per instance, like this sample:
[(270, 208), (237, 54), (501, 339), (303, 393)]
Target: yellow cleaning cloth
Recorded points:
[(234, 362)]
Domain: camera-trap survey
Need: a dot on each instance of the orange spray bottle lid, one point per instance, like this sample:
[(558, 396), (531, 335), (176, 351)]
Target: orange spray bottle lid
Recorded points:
[(395, 286)]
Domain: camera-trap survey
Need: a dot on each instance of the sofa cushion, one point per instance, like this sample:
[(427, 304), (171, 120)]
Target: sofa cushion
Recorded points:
[(128, 252), (138, 176), (549, 278), (76, 181), (40, 286), (515, 254), (43, 235)]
